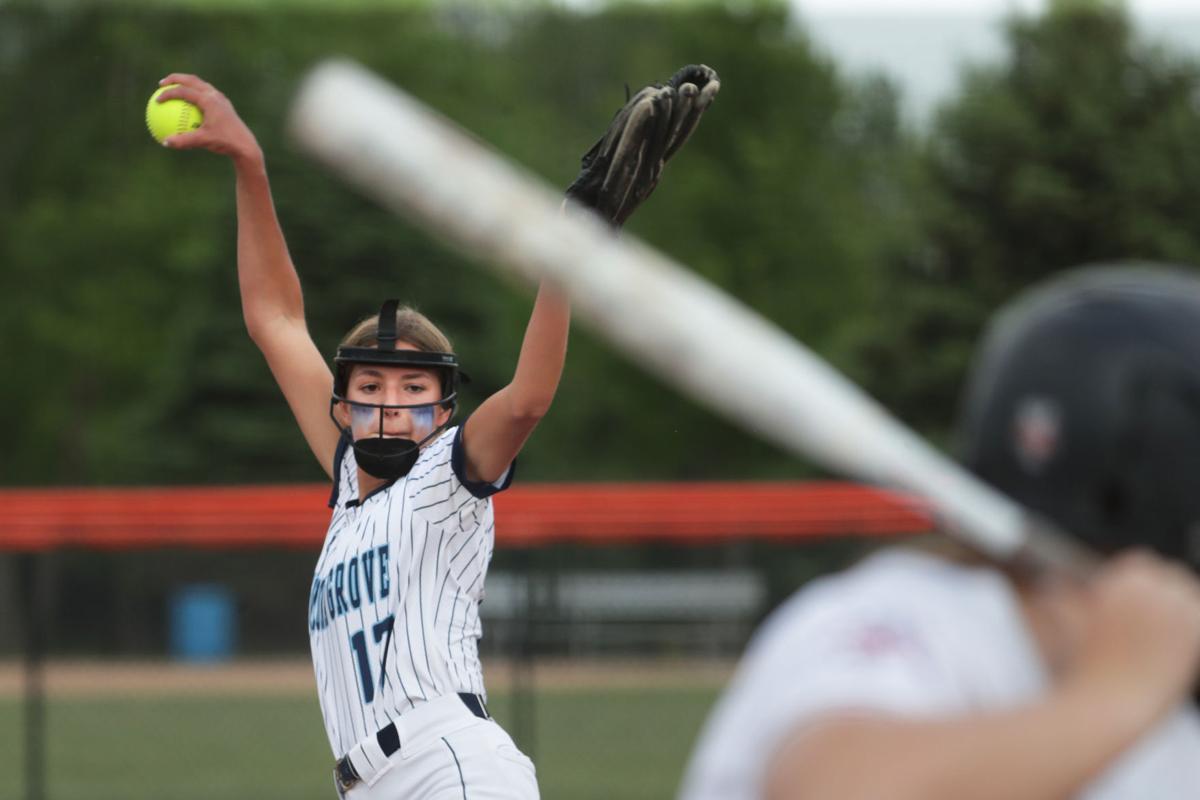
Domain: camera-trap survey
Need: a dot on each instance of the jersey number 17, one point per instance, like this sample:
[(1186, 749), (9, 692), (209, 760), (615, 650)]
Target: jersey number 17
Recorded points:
[(382, 631)]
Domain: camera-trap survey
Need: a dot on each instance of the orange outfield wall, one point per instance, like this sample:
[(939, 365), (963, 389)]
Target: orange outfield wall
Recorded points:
[(529, 515)]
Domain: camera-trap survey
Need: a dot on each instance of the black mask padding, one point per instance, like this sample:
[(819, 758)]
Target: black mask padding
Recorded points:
[(386, 459)]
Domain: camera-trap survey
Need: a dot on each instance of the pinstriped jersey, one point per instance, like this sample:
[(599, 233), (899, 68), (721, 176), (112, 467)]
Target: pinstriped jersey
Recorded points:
[(393, 613)]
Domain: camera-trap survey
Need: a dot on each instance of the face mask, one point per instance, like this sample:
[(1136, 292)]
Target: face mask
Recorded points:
[(379, 456), (383, 457)]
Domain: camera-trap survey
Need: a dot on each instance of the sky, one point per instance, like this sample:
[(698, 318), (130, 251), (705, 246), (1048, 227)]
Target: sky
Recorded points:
[(919, 44), (972, 7)]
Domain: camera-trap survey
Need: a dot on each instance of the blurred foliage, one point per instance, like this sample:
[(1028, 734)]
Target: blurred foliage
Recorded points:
[(1080, 148), (118, 298), (801, 194)]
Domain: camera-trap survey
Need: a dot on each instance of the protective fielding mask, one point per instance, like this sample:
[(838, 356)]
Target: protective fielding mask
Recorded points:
[(378, 455), (386, 457)]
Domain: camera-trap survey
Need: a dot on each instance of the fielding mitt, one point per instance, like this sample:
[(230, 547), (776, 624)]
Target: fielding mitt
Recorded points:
[(622, 169)]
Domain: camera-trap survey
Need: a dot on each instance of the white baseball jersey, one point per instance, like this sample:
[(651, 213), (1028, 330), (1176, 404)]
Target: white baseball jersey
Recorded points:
[(393, 614), (910, 634)]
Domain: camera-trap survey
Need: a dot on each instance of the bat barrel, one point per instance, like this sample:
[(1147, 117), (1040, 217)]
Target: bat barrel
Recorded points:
[(658, 313)]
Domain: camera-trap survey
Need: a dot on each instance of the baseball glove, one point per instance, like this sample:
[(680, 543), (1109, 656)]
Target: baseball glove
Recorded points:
[(622, 169)]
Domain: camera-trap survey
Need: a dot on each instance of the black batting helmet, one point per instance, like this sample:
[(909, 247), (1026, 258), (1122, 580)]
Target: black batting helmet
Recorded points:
[(1084, 405)]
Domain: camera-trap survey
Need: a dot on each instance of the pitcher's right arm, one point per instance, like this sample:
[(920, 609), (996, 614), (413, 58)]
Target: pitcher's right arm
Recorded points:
[(272, 302)]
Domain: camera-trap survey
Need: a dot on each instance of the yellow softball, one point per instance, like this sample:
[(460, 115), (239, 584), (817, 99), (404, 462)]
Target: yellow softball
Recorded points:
[(171, 116)]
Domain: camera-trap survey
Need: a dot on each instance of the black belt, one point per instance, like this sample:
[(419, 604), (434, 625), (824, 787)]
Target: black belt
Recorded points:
[(388, 738)]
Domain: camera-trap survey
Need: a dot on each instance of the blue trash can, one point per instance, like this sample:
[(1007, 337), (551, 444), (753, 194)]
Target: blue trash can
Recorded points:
[(203, 623)]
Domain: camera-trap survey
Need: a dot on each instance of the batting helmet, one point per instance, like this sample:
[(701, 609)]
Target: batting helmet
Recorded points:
[(1084, 405)]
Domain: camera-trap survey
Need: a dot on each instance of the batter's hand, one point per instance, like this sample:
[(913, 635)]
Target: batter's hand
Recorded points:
[(1141, 639), (222, 131)]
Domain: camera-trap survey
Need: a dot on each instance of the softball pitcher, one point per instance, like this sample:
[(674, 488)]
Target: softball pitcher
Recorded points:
[(393, 612)]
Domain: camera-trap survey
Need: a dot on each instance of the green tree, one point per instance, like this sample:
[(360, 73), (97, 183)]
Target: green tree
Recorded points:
[(1081, 147)]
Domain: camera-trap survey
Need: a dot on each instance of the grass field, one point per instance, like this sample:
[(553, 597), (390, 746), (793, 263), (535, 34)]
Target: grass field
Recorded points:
[(589, 742)]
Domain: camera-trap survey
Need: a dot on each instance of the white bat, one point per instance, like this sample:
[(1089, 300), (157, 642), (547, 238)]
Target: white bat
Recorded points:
[(682, 328)]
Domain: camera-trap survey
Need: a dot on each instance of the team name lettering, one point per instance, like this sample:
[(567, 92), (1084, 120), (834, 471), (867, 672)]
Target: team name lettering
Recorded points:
[(368, 558), (352, 583), (338, 574), (345, 585)]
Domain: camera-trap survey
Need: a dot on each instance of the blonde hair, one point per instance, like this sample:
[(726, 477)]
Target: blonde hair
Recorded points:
[(412, 327), (954, 551)]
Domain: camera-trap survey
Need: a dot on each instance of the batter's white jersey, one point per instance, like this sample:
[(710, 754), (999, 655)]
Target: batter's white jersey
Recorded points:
[(393, 614), (910, 634)]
